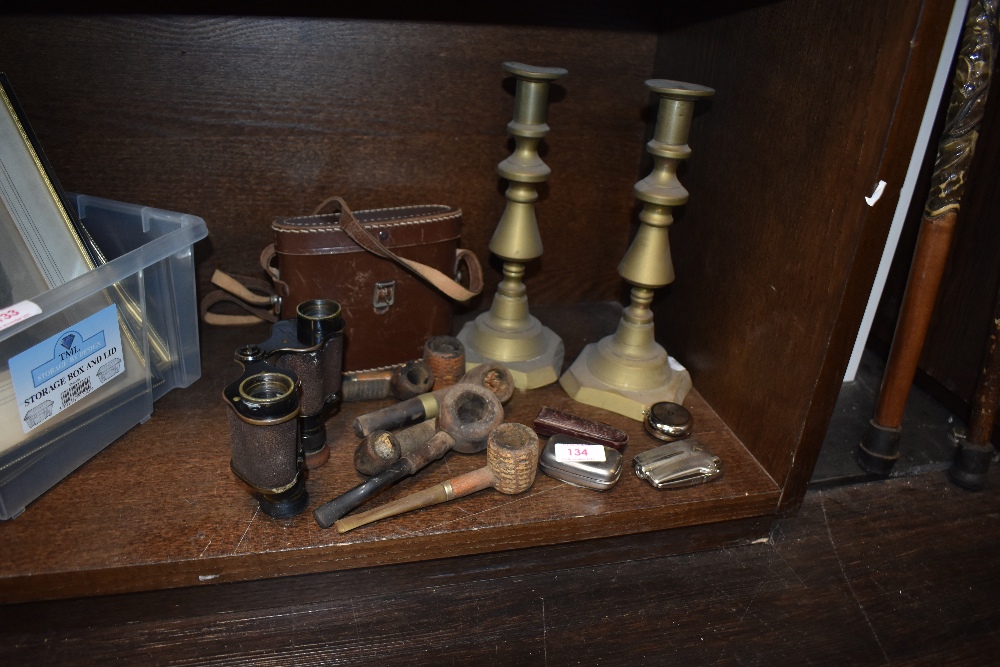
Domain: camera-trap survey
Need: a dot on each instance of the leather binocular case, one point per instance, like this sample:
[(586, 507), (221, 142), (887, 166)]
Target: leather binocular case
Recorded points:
[(392, 303)]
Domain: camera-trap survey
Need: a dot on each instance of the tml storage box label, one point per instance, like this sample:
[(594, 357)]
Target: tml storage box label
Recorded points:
[(58, 372)]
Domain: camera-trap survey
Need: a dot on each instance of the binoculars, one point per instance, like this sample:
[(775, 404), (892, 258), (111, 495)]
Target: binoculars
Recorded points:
[(291, 383)]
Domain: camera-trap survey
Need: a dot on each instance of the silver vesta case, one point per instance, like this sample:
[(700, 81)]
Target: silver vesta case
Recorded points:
[(683, 463), (597, 475)]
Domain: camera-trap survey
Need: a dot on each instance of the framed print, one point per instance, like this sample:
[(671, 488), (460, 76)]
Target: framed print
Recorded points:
[(42, 247), (41, 244)]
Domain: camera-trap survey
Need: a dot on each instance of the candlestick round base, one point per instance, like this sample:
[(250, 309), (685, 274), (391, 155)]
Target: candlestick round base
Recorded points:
[(634, 384), (532, 353)]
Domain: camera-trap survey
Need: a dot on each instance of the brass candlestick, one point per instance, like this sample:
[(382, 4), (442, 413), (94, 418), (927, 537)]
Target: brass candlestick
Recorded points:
[(508, 333), (629, 371)]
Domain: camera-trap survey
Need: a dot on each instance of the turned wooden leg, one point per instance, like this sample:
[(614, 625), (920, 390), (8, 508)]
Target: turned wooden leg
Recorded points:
[(975, 451), (879, 449)]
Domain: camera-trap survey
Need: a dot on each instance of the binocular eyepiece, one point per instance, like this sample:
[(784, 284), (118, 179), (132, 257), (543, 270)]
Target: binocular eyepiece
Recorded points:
[(290, 385)]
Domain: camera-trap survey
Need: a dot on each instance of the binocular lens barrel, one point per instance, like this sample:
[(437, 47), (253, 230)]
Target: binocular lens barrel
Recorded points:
[(316, 319), (263, 429), (267, 397), (266, 387)]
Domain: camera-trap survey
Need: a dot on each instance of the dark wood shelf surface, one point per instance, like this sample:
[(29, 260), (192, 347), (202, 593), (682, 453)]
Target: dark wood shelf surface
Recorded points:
[(858, 576), (159, 508)]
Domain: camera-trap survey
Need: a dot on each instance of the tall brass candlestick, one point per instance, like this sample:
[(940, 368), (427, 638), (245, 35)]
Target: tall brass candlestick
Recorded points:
[(629, 371), (508, 333)]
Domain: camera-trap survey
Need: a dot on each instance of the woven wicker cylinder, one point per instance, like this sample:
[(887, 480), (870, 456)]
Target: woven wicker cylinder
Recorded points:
[(512, 455)]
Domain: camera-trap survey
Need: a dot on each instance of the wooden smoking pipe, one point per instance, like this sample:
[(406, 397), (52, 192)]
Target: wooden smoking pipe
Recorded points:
[(445, 355), (512, 460), (493, 376), (379, 450), (403, 382), (468, 414)]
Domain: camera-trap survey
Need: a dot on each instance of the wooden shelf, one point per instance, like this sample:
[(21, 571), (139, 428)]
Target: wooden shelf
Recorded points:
[(160, 508), (241, 120)]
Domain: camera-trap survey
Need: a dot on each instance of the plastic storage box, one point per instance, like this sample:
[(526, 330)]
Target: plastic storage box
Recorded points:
[(148, 286)]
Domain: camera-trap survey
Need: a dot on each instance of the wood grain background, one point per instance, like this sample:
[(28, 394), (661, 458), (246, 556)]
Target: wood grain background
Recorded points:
[(241, 121)]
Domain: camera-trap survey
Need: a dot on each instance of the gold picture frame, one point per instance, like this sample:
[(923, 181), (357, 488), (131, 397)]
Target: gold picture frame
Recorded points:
[(42, 246)]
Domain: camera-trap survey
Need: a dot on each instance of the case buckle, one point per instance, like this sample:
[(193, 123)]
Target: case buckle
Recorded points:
[(383, 296), (677, 464)]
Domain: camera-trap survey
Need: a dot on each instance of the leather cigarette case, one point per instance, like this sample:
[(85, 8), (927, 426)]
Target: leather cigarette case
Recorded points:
[(550, 421), (581, 470)]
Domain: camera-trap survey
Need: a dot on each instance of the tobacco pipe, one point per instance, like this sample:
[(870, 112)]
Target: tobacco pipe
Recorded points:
[(403, 382), (512, 460), (446, 357), (379, 450), (468, 414), (493, 376)]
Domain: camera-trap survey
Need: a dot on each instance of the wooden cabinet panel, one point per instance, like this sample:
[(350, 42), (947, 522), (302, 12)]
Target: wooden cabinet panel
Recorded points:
[(777, 250)]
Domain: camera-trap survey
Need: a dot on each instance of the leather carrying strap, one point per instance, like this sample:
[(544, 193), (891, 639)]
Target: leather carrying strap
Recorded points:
[(237, 288), (260, 302), (260, 305), (446, 285)]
